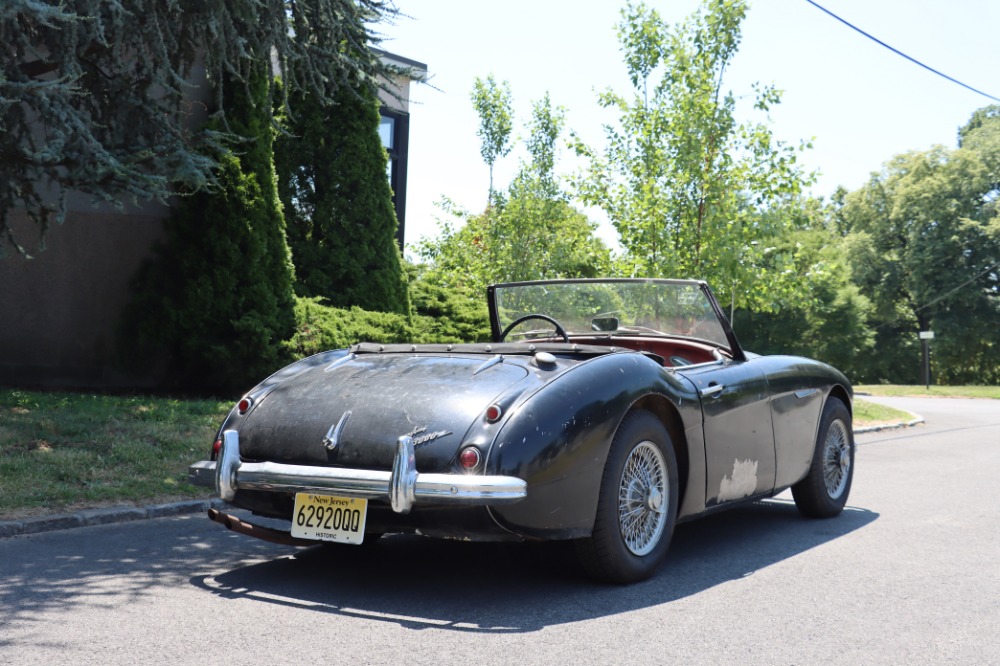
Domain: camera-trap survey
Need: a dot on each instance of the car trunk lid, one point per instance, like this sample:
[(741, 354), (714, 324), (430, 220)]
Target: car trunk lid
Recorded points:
[(352, 412)]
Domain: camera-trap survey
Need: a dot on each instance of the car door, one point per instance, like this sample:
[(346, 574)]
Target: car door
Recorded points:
[(739, 439)]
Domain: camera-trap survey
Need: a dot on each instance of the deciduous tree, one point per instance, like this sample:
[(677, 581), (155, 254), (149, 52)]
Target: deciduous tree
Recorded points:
[(493, 103), (925, 234), (685, 183), (530, 231), (831, 323)]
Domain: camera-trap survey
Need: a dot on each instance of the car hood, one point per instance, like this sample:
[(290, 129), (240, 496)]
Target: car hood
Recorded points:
[(376, 398)]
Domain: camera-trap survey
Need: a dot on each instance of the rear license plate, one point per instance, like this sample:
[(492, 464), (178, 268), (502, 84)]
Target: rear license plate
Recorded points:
[(327, 518)]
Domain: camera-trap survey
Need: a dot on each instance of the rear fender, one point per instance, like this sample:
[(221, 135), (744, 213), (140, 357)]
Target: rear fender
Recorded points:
[(557, 440)]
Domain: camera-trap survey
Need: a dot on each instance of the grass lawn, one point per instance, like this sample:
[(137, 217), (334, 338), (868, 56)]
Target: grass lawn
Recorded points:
[(893, 390), (64, 451), (870, 414), (60, 452)]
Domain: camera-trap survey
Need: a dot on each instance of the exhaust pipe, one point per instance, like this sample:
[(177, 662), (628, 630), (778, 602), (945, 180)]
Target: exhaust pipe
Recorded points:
[(266, 533)]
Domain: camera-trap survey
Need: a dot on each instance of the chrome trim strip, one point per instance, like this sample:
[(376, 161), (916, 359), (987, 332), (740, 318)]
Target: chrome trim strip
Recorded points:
[(340, 361), (488, 364), (805, 393), (403, 487)]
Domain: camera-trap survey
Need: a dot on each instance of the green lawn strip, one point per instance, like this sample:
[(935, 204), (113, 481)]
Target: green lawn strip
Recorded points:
[(63, 451), (894, 390), (871, 414)]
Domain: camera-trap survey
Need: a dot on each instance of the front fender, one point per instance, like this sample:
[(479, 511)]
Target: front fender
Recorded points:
[(557, 440)]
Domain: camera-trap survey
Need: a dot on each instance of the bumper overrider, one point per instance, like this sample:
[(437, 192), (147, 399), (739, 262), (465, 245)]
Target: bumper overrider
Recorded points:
[(402, 487)]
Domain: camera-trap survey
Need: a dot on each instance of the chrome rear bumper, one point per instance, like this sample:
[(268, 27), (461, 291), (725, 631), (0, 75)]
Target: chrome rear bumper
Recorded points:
[(402, 487)]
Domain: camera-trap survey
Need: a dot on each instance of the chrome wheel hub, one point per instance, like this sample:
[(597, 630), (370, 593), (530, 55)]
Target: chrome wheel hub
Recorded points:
[(642, 498), (836, 459)]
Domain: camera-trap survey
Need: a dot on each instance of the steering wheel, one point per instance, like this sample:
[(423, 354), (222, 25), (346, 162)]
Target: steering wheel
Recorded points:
[(559, 329)]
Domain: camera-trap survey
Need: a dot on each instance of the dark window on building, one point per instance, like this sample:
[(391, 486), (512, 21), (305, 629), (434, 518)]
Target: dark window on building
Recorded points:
[(394, 129)]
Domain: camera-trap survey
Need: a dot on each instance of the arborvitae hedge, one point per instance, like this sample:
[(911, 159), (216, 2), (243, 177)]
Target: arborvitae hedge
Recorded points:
[(216, 302), (338, 204)]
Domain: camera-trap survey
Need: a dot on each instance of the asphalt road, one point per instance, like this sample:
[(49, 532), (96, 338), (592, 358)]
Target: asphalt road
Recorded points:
[(909, 574)]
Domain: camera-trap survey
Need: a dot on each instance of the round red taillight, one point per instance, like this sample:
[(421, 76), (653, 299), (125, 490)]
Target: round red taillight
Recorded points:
[(493, 413), (470, 457), (216, 447), (244, 405)]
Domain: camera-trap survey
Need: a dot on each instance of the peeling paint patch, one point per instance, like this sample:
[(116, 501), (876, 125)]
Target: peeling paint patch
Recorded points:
[(742, 482)]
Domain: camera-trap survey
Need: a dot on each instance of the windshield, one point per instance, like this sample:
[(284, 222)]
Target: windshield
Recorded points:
[(674, 308)]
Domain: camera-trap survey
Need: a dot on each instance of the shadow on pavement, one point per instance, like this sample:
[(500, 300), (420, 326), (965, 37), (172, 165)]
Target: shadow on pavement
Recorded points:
[(508, 588)]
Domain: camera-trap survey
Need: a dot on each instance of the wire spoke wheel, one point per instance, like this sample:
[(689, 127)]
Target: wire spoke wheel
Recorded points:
[(823, 492), (836, 459), (641, 498), (636, 505)]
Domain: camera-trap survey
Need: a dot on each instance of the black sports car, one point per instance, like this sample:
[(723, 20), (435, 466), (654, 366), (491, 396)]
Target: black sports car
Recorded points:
[(604, 411)]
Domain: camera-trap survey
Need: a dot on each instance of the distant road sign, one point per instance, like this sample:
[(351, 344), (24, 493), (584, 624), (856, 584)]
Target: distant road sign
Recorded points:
[(926, 335)]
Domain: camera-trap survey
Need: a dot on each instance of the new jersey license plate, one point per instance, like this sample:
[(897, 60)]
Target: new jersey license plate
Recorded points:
[(328, 518)]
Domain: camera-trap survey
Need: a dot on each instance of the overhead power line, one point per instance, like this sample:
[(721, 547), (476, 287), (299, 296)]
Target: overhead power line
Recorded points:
[(967, 282), (940, 298), (900, 53)]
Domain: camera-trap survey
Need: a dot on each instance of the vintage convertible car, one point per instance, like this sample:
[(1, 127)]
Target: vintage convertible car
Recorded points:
[(604, 411)]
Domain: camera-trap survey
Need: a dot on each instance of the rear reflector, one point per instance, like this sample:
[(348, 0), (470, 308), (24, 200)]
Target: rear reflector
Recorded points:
[(470, 457)]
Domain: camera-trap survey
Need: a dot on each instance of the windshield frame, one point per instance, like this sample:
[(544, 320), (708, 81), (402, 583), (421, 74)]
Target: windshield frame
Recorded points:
[(734, 349)]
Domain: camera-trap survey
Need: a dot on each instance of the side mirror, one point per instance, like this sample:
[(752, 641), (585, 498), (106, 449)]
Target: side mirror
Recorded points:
[(604, 324)]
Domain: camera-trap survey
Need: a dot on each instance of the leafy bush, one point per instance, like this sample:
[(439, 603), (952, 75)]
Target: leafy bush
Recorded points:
[(442, 316)]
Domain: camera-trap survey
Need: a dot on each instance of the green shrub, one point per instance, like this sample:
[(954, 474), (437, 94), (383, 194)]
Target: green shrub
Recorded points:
[(448, 314), (320, 327), (332, 180), (214, 304), (442, 317)]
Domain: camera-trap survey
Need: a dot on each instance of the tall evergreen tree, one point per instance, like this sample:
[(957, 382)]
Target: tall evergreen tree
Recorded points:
[(95, 96), (216, 302), (341, 222)]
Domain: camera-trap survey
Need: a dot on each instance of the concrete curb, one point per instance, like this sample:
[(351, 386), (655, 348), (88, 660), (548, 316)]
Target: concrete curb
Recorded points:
[(123, 514), (890, 426), (87, 517)]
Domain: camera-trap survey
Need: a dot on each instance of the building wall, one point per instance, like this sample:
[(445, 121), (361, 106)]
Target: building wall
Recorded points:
[(59, 309)]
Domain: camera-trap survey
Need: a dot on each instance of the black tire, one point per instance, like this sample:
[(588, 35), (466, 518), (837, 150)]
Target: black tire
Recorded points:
[(637, 505), (824, 490)]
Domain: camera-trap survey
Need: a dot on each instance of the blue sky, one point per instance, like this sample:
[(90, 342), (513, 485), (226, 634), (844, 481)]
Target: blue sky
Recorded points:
[(859, 103)]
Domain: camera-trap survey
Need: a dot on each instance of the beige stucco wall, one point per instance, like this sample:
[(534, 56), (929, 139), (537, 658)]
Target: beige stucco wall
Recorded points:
[(398, 97)]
